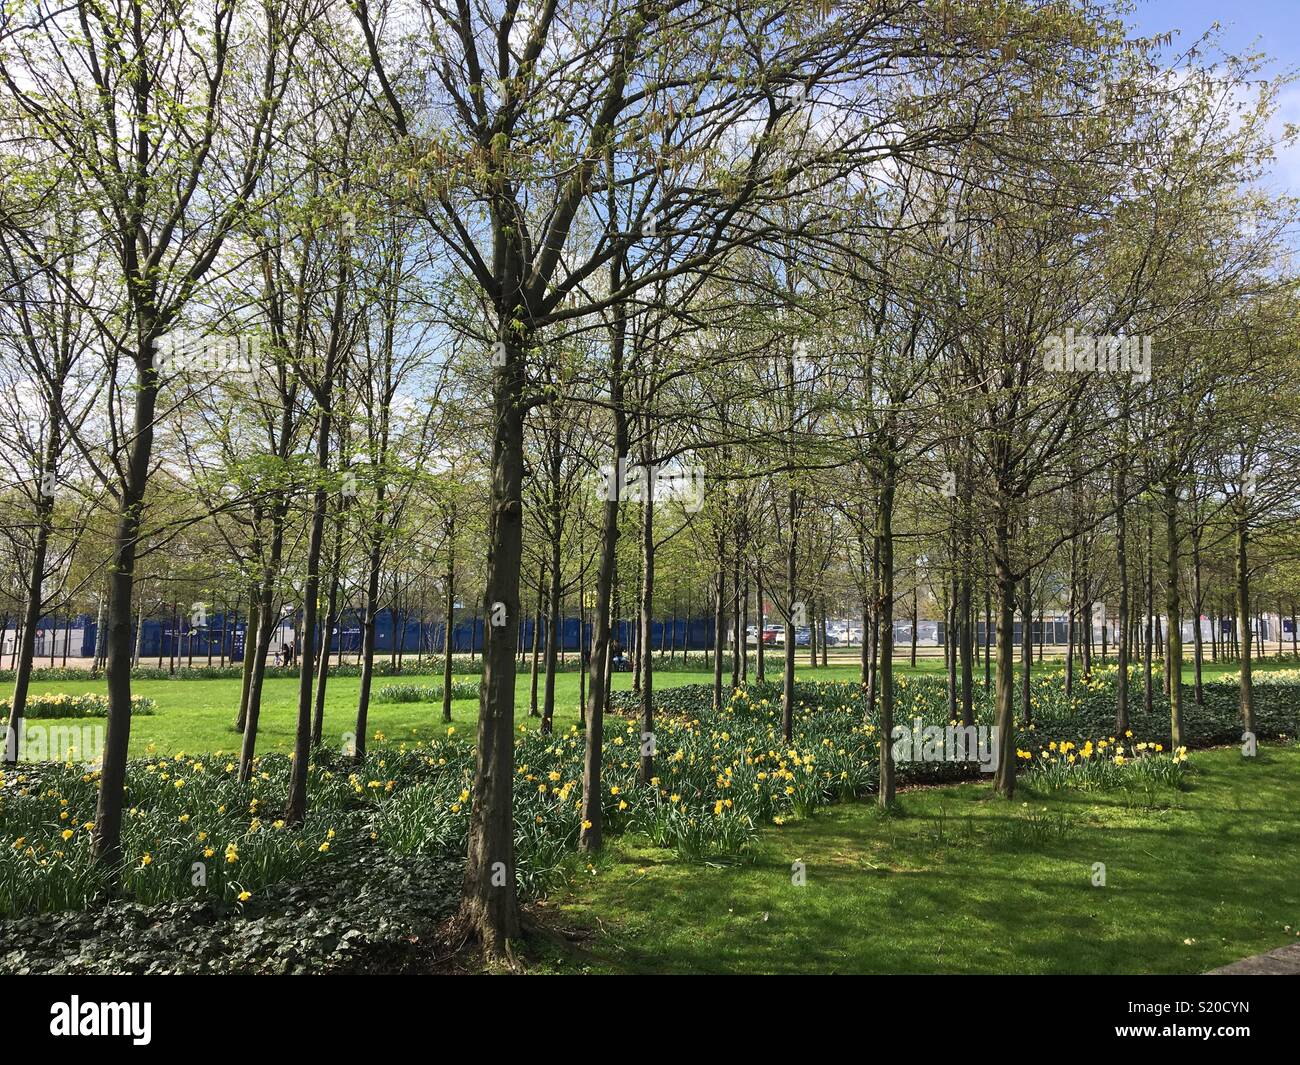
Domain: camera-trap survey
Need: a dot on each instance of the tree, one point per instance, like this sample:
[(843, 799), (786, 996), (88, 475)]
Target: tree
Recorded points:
[(169, 178)]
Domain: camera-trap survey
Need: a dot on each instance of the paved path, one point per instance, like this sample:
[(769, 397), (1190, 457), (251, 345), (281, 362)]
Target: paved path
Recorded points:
[(1285, 961)]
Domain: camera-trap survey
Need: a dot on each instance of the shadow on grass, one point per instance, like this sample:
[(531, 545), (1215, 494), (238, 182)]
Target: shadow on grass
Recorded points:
[(958, 883)]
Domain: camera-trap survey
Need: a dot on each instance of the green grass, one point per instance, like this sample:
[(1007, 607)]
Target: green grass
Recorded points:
[(957, 881), (960, 882), (197, 715)]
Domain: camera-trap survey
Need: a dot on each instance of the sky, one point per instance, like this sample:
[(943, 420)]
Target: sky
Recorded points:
[(1270, 26)]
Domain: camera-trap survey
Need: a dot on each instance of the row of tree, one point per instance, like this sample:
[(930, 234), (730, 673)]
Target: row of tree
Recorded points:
[(618, 303)]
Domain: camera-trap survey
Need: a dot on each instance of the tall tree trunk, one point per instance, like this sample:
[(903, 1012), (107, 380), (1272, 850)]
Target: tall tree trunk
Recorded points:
[(1125, 633), (1069, 618), (737, 614), (821, 615), (584, 647), (813, 623), (264, 631), (1085, 605), (791, 591), (1026, 651), (331, 620), (98, 659), (450, 615), (1004, 780), (873, 654), (35, 583), (533, 709), (988, 637), (864, 562), (1242, 574), (719, 627), (1173, 608), (174, 648), (553, 603), (1198, 605), (489, 902), (368, 630), (615, 614), (107, 845), (1147, 639), (916, 613), (591, 833), (744, 636), (646, 767), (296, 807), (139, 631), (885, 614), (967, 642), (950, 650)]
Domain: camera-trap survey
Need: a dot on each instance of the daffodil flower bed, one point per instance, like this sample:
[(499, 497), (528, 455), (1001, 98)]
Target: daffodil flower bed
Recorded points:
[(60, 704), (192, 830), (1105, 764), (1269, 677)]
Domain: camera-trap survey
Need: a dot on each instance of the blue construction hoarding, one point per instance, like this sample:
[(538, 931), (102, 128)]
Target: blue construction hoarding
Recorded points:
[(169, 638)]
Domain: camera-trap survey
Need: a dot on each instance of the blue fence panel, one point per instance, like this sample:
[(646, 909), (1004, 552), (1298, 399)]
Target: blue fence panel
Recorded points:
[(176, 637)]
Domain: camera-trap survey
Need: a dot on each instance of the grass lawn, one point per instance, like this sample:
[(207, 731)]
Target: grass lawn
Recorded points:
[(197, 715), (960, 882), (954, 880)]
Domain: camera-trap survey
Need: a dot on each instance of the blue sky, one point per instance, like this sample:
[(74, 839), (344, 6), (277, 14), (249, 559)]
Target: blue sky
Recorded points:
[(1271, 26), (1275, 22)]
